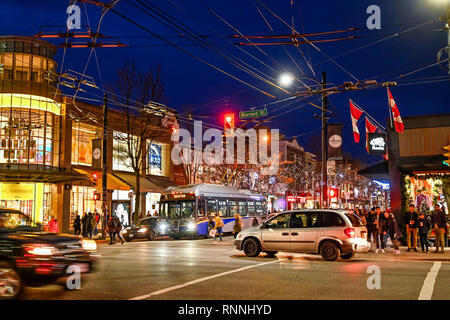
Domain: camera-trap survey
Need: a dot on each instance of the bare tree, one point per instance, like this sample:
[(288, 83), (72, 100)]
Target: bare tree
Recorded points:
[(140, 94)]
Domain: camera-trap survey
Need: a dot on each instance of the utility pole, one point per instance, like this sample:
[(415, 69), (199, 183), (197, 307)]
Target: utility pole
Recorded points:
[(324, 203), (105, 163)]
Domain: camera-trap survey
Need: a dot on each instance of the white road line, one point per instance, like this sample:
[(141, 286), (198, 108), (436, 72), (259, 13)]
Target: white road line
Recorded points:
[(428, 285), (155, 293)]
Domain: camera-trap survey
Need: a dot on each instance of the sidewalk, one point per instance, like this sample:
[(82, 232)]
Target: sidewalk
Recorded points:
[(406, 256)]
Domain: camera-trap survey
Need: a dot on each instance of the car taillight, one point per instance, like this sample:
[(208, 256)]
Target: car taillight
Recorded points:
[(350, 232)]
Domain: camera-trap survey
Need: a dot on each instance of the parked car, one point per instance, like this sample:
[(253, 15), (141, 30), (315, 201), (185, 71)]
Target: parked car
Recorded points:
[(330, 233), (147, 228), (32, 257)]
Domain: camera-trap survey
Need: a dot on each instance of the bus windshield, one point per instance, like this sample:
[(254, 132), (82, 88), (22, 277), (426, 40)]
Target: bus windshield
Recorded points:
[(178, 209)]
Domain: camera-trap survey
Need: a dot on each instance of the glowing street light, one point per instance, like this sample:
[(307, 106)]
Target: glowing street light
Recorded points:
[(286, 79)]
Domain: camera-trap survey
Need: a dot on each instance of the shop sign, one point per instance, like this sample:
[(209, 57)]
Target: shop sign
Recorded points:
[(17, 191), (377, 143)]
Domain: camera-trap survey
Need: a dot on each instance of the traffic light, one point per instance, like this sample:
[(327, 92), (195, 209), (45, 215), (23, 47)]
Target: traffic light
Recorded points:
[(96, 196), (229, 124), (446, 155), (332, 193), (94, 178)]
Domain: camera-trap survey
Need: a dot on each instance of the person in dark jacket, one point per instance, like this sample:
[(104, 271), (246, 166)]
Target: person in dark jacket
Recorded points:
[(412, 220), (394, 231), (255, 222), (111, 228), (383, 229), (439, 223), (424, 227), (372, 228), (77, 225), (118, 228), (84, 225)]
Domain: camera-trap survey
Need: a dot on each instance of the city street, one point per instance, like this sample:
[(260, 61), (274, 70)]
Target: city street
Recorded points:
[(202, 270)]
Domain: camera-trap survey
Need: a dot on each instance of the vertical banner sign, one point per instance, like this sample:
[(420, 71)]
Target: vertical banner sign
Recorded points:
[(334, 138), (96, 153), (377, 143)]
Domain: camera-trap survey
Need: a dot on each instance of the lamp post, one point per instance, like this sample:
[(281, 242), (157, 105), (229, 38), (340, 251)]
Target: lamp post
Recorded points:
[(287, 79)]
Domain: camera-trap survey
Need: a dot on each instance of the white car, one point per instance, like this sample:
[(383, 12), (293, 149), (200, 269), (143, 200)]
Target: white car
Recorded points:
[(330, 233)]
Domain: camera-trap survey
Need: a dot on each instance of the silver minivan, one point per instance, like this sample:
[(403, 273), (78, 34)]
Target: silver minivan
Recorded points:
[(330, 233)]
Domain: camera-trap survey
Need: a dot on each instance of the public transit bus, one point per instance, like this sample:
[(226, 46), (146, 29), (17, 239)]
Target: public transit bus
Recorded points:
[(189, 209)]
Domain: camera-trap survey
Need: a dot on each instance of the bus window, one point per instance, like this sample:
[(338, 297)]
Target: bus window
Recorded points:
[(242, 208), (187, 209), (201, 207), (251, 207), (223, 207), (259, 208), (211, 207), (233, 207)]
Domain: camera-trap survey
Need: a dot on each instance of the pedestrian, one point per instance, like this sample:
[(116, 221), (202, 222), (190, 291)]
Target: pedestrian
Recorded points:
[(118, 228), (237, 224), (218, 227), (77, 225), (412, 220), (394, 231), (53, 225), (379, 227), (372, 228), (111, 230), (384, 229), (89, 225), (439, 223), (84, 225), (148, 214), (359, 213), (255, 222), (424, 226), (97, 220)]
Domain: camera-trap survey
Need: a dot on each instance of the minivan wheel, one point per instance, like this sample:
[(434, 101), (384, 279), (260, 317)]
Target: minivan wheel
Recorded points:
[(251, 247), (330, 251), (11, 284), (271, 253), (347, 255)]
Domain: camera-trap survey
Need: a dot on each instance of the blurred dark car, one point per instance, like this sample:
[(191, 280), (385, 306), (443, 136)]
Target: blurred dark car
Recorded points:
[(147, 228), (32, 257)]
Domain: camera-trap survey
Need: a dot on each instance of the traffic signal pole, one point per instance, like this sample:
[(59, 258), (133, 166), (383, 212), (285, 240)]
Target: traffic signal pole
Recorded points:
[(105, 163), (324, 199)]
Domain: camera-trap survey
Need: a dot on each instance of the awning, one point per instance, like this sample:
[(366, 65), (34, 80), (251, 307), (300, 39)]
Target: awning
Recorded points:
[(379, 172), (38, 173), (148, 184), (112, 183)]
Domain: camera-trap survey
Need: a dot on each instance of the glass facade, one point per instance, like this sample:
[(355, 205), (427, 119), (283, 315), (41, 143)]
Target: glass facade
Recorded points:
[(158, 155)]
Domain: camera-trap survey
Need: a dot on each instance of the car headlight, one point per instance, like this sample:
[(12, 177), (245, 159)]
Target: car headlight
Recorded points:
[(190, 226), (142, 229), (40, 249), (162, 226), (89, 245)]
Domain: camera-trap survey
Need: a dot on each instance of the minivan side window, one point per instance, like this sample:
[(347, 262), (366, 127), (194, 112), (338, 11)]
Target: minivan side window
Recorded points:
[(330, 219), (279, 222), (304, 220)]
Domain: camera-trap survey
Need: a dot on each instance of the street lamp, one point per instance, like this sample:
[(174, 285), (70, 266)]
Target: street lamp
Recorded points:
[(286, 79)]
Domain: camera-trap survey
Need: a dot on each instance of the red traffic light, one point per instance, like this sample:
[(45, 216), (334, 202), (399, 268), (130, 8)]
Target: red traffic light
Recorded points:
[(228, 123), (94, 176)]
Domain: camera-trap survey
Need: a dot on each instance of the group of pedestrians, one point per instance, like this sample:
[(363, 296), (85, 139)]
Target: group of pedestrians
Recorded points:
[(383, 224), (87, 226), (114, 228)]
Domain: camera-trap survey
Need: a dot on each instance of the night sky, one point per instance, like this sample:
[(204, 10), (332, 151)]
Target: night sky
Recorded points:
[(210, 93)]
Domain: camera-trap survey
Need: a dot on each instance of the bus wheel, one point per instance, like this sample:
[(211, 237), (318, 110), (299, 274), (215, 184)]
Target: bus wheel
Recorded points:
[(251, 247)]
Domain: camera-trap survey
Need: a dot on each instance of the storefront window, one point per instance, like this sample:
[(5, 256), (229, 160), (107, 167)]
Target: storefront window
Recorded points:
[(157, 159), (82, 201), (28, 135), (121, 160), (82, 135)]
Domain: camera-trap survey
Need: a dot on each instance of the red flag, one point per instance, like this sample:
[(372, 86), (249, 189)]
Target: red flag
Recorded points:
[(370, 128), (355, 113), (399, 127)]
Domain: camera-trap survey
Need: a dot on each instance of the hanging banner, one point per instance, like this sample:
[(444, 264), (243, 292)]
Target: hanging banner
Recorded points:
[(377, 143), (96, 153), (334, 135)]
